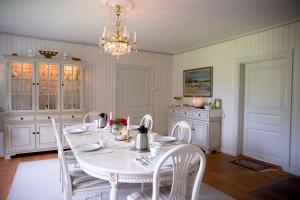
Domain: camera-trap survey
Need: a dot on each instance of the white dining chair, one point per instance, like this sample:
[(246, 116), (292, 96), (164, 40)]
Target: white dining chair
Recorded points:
[(147, 121), (184, 157), (78, 183), (68, 154), (90, 117), (182, 130)]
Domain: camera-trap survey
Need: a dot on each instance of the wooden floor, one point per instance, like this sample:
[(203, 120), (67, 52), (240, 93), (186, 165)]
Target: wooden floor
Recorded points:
[(229, 178)]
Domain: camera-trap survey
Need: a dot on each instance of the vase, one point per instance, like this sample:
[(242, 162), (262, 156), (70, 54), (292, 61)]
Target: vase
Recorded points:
[(117, 129)]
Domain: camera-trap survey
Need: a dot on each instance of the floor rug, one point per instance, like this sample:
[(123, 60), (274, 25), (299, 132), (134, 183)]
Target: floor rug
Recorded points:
[(38, 180), (286, 189), (252, 164)]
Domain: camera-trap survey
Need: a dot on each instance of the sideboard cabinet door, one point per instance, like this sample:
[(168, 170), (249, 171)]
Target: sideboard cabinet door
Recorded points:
[(200, 134), (21, 137), (45, 137)]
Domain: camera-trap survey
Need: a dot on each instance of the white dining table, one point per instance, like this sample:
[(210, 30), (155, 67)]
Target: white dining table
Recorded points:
[(116, 163)]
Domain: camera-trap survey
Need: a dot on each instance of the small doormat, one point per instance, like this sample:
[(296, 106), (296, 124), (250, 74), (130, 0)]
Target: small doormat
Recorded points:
[(285, 189), (255, 165)]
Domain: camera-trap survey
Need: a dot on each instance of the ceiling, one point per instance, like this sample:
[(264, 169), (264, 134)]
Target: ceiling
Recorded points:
[(167, 26)]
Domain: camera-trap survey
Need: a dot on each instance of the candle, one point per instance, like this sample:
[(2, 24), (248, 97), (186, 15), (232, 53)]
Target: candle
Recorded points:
[(134, 37), (104, 32), (110, 115), (128, 123)]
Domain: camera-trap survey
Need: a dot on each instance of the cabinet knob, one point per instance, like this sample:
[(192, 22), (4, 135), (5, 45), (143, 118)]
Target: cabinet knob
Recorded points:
[(62, 84), (37, 83), (193, 129), (21, 118), (173, 111), (73, 116), (33, 83), (33, 133), (185, 113), (199, 115), (48, 117), (37, 132)]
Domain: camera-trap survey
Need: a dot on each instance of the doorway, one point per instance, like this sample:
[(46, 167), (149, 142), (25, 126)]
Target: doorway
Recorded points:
[(134, 94), (265, 108)]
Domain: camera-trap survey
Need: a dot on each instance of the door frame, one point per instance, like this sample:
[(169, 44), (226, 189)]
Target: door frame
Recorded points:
[(152, 88), (241, 63)]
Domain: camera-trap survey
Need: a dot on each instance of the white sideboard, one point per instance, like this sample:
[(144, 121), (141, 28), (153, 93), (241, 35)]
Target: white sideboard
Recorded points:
[(39, 89), (205, 124)]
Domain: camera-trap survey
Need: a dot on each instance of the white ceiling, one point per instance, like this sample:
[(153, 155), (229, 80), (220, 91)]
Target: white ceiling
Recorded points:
[(168, 26)]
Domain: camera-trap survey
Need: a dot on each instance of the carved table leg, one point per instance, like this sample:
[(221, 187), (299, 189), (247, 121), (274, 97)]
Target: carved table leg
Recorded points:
[(114, 191)]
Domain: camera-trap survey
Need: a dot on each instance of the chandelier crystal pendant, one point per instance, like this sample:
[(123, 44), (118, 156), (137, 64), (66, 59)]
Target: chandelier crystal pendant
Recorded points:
[(115, 39)]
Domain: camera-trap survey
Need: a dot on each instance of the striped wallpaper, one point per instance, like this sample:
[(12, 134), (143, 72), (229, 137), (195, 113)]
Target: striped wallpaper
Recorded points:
[(223, 58)]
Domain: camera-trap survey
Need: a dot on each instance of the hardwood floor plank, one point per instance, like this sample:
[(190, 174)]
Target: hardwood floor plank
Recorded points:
[(227, 177)]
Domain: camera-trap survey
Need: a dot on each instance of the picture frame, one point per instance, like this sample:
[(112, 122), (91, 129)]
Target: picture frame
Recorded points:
[(198, 82)]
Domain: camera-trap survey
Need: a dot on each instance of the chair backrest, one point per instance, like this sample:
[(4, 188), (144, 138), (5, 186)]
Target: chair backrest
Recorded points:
[(61, 158), (90, 117), (182, 129), (184, 157), (147, 121)]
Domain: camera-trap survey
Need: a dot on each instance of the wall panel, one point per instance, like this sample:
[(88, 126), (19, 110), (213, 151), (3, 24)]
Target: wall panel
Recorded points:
[(99, 74), (223, 58)]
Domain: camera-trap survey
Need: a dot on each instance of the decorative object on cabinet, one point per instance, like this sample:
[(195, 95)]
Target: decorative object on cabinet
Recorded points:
[(198, 82), (30, 53), (38, 90), (205, 124), (48, 54), (77, 59), (65, 56)]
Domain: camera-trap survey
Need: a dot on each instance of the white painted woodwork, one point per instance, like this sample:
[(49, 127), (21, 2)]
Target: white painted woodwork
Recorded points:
[(223, 57), (37, 133), (205, 125), (44, 136), (99, 74), (267, 110), (134, 92), (21, 137), (118, 166)]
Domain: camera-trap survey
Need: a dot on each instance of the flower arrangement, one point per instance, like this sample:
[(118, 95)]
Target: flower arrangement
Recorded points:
[(118, 121)]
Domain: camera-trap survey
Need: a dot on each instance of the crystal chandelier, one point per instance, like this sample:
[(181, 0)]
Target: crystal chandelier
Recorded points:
[(115, 39)]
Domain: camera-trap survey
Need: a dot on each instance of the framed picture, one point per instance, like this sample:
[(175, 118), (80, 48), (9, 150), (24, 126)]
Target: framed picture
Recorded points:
[(198, 82)]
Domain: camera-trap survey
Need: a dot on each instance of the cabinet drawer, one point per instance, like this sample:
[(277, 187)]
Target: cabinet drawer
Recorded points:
[(21, 118), (174, 112), (47, 117), (71, 116), (186, 113), (201, 115)]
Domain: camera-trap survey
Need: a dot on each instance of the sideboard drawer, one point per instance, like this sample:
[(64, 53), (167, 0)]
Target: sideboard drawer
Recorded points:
[(174, 112), (201, 115), (186, 113), (71, 116), (21, 118), (47, 117)]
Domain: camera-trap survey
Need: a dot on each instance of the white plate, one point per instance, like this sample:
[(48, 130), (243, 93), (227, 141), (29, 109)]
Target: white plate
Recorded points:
[(165, 139), (88, 147), (75, 131)]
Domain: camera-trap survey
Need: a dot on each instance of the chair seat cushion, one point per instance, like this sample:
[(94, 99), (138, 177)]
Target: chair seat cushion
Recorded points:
[(146, 194), (81, 180), (69, 156)]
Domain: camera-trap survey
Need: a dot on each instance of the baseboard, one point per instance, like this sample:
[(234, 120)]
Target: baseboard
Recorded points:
[(294, 170)]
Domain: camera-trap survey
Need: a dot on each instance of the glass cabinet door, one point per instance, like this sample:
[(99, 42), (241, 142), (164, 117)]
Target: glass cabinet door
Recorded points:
[(21, 86), (72, 89), (48, 86)]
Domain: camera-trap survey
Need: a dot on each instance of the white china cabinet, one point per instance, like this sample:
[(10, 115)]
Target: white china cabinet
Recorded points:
[(40, 89), (205, 125)]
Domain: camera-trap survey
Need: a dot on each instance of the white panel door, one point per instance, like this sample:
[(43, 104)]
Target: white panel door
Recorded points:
[(134, 92), (45, 136), (21, 137), (267, 111)]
